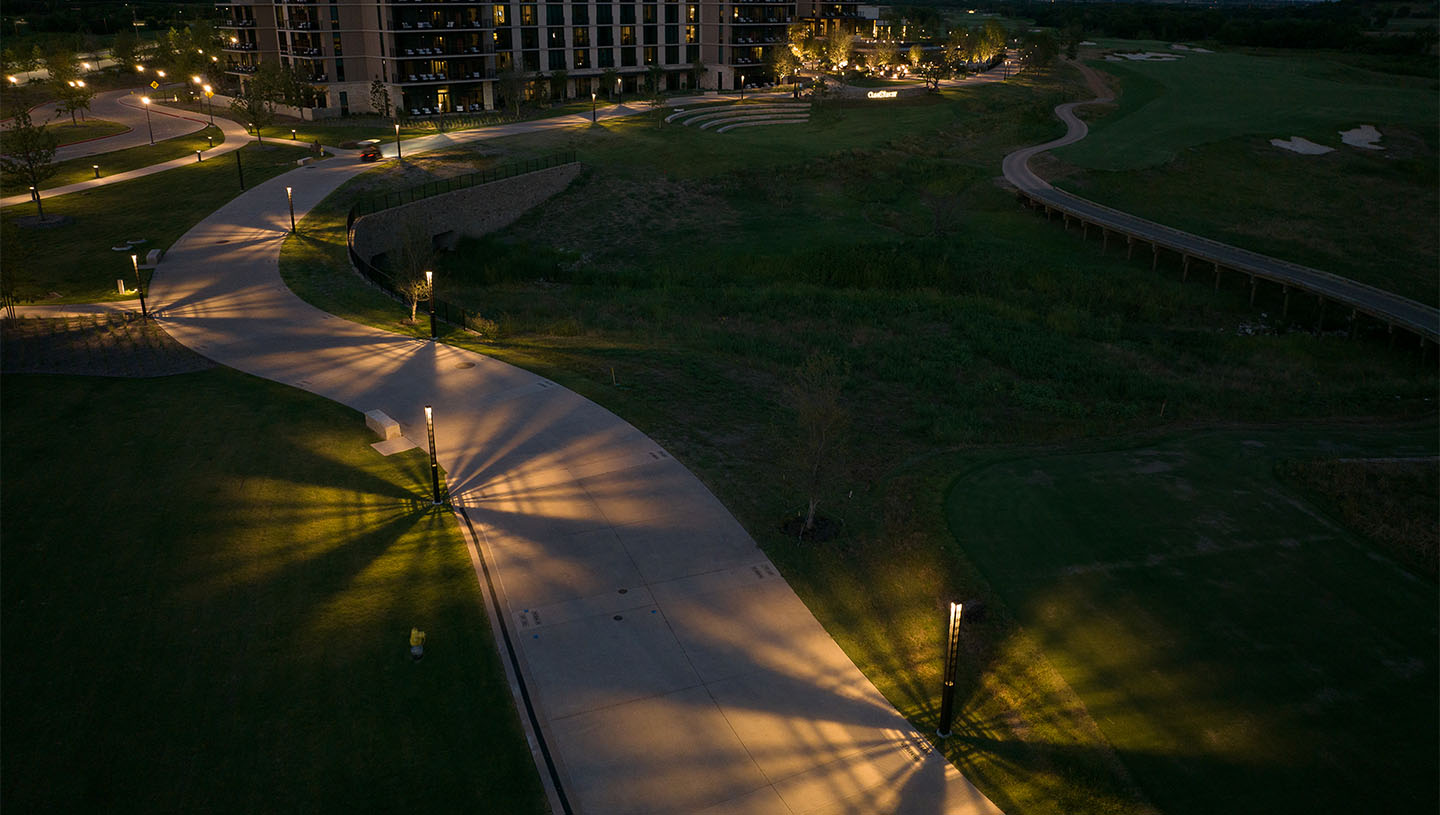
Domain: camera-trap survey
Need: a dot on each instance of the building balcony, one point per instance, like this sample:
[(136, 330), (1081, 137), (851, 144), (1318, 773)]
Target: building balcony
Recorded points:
[(238, 46), (296, 25), (236, 24), (431, 79), (448, 51)]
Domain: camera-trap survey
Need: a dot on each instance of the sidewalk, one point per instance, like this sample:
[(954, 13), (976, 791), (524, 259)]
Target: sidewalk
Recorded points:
[(672, 669)]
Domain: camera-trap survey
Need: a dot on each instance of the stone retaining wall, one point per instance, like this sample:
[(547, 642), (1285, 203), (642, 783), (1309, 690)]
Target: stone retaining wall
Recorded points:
[(471, 212)]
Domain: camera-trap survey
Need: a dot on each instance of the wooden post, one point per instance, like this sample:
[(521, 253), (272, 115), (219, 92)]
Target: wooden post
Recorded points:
[(1129, 246), (1154, 256), (1217, 277), (1319, 312), (1354, 318), (1185, 269), (1085, 228), (1252, 291), (1390, 329), (1285, 312), (1104, 240)]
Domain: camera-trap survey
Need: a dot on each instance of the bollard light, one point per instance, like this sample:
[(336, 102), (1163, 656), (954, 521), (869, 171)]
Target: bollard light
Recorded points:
[(96, 168), (947, 692), (139, 287), (592, 107), (290, 198), (434, 466), (292, 134), (198, 158), (397, 140), (430, 287)]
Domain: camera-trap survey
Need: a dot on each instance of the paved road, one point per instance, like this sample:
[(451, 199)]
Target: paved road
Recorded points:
[(672, 669), (121, 106), (1419, 318)]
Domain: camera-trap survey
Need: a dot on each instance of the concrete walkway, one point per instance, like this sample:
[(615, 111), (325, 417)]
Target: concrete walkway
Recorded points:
[(671, 668)]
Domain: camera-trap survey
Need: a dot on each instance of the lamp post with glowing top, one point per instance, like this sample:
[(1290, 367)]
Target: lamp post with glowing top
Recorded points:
[(139, 287), (434, 466), (290, 199), (145, 100), (430, 288), (947, 693), (397, 140)]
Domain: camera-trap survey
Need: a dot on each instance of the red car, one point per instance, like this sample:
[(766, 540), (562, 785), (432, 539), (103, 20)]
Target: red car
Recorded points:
[(370, 151)]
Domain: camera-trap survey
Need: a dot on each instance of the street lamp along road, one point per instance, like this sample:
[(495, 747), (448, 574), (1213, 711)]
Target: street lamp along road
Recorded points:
[(145, 100), (290, 198), (397, 140)]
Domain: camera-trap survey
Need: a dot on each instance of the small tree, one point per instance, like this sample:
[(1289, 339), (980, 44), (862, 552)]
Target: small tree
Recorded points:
[(512, 88), (815, 395), (254, 105), (610, 78), (655, 84), (785, 65), (380, 98), (697, 73), (74, 96), (125, 48), (838, 48), (559, 84), (29, 154), (916, 56), (932, 73), (62, 66), (416, 254), (1039, 49), (885, 54)]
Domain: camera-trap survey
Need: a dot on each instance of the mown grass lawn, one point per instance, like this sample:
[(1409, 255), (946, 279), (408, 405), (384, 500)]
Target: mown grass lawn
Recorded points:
[(701, 270), (83, 130), (1201, 98), (1240, 650), (209, 584), (74, 263), (1188, 145)]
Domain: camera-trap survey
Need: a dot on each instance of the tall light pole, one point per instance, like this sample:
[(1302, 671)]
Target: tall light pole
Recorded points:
[(430, 287), (208, 110), (397, 140), (145, 100), (434, 466), (947, 692), (290, 198), (139, 287)]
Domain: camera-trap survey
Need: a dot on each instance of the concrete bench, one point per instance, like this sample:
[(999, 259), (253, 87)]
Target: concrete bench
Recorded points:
[(152, 258), (384, 426)]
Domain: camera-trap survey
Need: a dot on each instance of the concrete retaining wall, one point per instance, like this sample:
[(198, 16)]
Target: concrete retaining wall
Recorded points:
[(471, 212)]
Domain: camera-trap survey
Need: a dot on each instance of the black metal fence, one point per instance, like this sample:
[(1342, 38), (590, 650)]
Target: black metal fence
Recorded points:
[(387, 282), (389, 200)]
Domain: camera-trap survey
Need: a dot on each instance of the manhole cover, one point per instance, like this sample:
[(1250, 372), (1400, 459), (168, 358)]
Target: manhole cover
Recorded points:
[(619, 616), (465, 365)]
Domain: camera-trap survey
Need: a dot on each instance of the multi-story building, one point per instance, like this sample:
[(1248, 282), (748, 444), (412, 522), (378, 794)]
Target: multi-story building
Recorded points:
[(447, 55)]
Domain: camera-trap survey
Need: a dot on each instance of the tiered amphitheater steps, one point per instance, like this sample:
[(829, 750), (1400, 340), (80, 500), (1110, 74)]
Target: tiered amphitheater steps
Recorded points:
[(740, 114)]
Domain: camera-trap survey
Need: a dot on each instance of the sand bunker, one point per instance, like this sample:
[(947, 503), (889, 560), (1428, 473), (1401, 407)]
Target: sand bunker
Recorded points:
[(1149, 56), (1086, 42), (1302, 146), (1178, 47), (1363, 137)]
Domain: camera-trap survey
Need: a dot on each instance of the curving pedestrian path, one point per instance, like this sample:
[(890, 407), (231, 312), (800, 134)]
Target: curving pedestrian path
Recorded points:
[(235, 138), (671, 668), (1385, 306)]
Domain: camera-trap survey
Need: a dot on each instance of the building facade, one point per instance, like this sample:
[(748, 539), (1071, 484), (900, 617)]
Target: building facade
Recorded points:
[(447, 55)]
